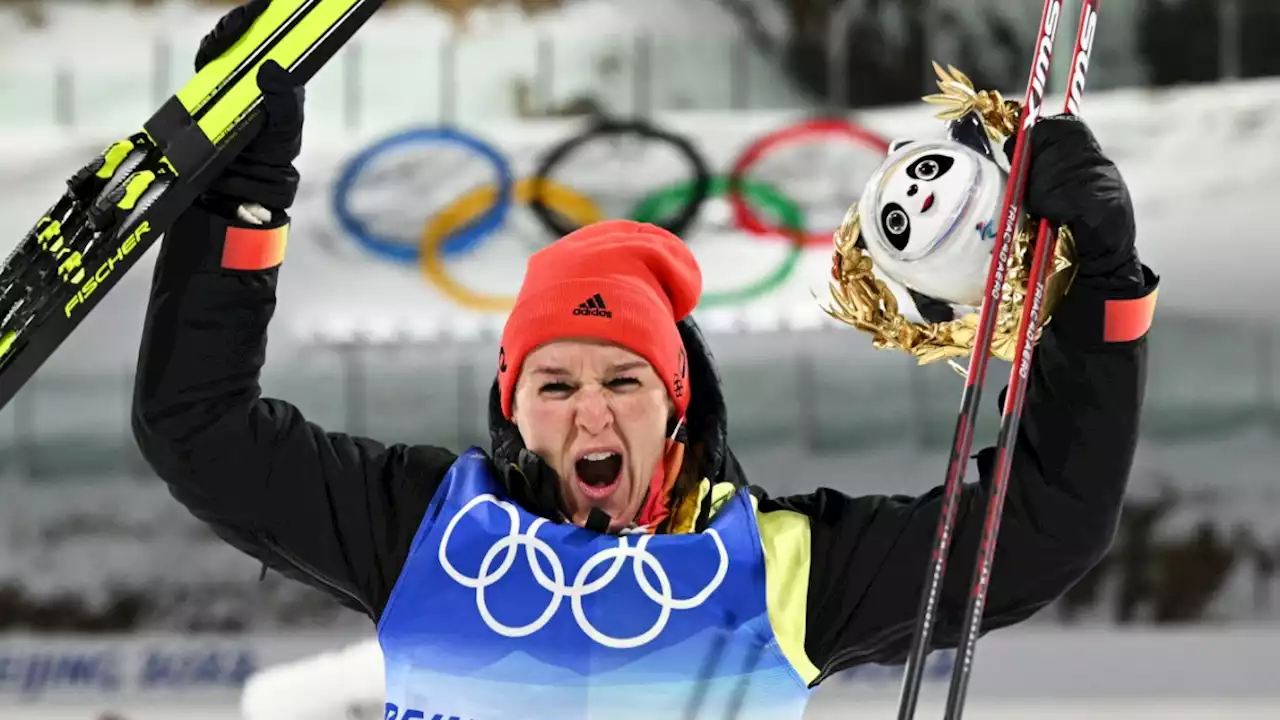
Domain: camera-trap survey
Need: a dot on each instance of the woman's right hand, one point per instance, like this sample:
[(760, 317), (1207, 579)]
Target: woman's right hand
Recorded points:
[(262, 174)]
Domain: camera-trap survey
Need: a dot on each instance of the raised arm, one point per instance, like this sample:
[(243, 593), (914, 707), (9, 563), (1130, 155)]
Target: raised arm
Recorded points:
[(1074, 450), (335, 511)]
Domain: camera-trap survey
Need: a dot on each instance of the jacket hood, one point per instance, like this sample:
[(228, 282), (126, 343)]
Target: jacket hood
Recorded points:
[(535, 486)]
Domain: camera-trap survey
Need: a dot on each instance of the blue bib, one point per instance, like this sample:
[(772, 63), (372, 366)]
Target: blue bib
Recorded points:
[(500, 614)]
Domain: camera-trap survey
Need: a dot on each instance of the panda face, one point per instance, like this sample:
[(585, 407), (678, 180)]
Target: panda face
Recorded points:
[(925, 216), (922, 194)]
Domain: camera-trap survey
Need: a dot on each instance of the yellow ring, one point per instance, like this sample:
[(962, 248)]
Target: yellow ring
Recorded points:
[(573, 205)]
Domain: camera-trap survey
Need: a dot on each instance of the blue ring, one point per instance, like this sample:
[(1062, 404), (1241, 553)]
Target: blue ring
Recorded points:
[(462, 240)]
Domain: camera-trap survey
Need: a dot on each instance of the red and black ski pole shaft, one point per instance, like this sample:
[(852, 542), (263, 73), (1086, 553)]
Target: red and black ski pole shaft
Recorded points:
[(1019, 377), (1010, 216)]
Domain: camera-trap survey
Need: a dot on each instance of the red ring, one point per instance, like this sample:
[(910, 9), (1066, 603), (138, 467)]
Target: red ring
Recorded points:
[(744, 216)]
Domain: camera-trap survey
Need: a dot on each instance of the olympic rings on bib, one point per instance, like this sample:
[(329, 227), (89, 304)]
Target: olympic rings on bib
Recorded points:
[(539, 551), (760, 195), (752, 222), (567, 202), (603, 130), (463, 238)]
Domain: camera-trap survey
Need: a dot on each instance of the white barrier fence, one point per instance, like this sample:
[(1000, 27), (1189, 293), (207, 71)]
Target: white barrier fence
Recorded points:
[(1026, 672), (1149, 709)]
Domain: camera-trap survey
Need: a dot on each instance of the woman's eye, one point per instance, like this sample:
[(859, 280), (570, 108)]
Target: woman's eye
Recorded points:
[(624, 382), (557, 388)]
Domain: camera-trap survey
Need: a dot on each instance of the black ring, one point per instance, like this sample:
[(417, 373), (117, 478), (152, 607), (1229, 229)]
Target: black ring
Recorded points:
[(605, 127)]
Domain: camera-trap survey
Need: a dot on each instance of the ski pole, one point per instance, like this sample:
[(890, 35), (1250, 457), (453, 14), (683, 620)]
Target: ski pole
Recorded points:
[(1046, 240)]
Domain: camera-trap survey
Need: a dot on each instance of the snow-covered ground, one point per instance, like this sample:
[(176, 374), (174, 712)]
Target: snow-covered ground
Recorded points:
[(1201, 227), (114, 546)]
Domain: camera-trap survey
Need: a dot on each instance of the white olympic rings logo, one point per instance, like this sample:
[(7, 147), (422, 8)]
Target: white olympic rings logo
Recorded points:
[(580, 588)]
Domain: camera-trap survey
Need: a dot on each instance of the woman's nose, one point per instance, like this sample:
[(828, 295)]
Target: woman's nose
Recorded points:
[(593, 413)]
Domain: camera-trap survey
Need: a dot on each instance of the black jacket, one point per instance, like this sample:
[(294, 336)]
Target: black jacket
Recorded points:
[(339, 512)]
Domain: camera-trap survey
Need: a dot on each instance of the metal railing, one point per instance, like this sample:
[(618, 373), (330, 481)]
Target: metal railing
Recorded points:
[(817, 394)]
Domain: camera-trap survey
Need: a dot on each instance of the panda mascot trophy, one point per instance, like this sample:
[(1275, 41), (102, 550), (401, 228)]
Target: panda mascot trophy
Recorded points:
[(913, 253)]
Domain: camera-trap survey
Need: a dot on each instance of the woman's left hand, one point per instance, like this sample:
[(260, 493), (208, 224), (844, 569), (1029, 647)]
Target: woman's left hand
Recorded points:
[(1071, 182)]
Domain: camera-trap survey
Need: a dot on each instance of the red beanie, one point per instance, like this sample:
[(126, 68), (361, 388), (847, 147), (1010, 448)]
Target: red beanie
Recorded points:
[(624, 282)]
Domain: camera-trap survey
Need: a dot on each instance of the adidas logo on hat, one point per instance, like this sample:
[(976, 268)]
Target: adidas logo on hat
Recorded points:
[(593, 305)]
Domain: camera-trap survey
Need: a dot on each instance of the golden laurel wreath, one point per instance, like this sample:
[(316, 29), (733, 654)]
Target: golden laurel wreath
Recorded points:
[(866, 302)]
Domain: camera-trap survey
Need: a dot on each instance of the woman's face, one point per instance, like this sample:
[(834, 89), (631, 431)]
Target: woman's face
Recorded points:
[(597, 414)]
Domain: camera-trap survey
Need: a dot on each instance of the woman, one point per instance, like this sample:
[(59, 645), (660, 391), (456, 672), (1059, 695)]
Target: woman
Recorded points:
[(606, 556)]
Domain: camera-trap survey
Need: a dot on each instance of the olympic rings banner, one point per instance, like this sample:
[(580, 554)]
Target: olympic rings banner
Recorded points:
[(446, 218), (431, 227), (422, 232)]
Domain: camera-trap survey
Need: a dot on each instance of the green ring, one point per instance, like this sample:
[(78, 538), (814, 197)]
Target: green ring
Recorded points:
[(667, 200)]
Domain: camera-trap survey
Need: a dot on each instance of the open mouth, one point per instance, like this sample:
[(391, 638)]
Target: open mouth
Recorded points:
[(928, 203), (598, 473)]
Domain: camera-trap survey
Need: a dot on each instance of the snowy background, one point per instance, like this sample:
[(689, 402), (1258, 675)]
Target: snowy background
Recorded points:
[(1181, 620), (90, 543)]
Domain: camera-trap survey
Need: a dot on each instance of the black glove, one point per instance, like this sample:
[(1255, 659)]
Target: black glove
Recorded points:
[(1072, 183), (263, 172)]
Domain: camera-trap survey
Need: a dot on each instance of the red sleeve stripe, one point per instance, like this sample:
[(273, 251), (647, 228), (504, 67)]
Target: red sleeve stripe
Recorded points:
[(254, 249), (1128, 320)]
